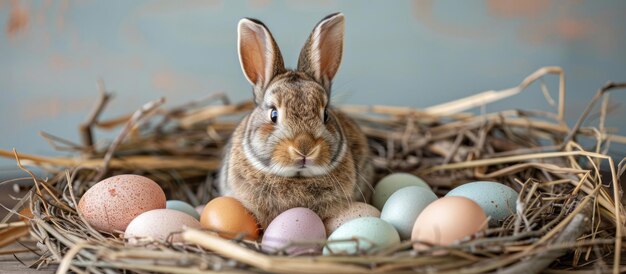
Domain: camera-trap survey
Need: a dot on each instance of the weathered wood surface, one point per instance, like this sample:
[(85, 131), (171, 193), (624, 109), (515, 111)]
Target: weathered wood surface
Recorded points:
[(8, 263)]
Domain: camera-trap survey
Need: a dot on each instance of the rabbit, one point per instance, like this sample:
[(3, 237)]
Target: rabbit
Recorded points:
[(294, 149)]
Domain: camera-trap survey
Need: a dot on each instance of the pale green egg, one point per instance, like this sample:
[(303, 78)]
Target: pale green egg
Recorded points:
[(403, 207), (392, 182), (372, 234), (183, 207)]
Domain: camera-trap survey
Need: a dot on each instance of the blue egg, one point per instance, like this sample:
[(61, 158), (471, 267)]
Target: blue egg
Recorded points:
[(497, 200), (183, 207)]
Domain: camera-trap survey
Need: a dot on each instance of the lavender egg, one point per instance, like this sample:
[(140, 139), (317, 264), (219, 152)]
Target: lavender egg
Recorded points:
[(294, 225)]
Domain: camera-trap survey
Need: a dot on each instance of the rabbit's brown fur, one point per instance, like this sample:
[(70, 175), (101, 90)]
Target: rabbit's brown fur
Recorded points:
[(312, 155)]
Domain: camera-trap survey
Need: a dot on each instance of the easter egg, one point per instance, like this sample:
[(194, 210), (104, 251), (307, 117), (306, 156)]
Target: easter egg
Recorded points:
[(370, 233), (448, 220), (159, 224), (112, 203), (403, 207), (25, 214), (199, 209), (294, 225), (389, 184), (353, 211), (182, 207), (228, 217), (497, 200)]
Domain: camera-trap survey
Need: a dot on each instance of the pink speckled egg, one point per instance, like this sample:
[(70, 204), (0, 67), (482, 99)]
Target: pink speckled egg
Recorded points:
[(111, 204), (159, 224), (353, 211), (296, 224)]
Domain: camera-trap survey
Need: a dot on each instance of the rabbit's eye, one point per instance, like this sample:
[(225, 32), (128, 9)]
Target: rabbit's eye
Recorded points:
[(326, 117), (274, 115)]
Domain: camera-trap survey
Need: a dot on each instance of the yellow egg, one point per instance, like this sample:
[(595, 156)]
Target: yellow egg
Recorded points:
[(446, 221), (228, 217)]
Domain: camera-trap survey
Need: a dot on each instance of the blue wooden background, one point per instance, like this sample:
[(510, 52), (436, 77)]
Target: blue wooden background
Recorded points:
[(416, 53)]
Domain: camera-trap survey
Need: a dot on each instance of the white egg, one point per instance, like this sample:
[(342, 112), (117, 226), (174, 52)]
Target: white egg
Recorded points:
[(160, 224)]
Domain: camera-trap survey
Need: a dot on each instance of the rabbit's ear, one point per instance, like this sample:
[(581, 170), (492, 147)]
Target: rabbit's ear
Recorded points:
[(321, 56), (259, 55)]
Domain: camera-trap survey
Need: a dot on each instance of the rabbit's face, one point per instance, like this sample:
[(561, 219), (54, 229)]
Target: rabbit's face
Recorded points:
[(292, 132)]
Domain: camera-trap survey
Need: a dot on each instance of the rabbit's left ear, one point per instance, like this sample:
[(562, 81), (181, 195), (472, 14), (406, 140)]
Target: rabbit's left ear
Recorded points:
[(321, 55), (259, 55)]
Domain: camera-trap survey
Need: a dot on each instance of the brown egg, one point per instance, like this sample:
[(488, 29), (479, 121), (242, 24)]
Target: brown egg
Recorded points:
[(26, 214), (447, 220), (112, 203), (353, 211), (229, 216)]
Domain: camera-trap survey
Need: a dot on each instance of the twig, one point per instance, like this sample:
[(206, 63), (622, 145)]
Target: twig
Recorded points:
[(490, 96), (262, 261), (13, 224), (14, 251), (53, 140), (145, 111), (540, 261), (606, 88), (86, 128)]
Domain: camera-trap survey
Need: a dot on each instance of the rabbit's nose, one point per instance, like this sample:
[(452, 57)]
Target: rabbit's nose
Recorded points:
[(304, 147), (304, 143), (303, 159)]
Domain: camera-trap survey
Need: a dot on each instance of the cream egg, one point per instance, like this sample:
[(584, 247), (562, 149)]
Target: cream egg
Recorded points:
[(160, 224)]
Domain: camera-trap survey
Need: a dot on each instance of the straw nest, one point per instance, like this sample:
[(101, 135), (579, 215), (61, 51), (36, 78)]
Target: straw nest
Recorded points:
[(568, 216)]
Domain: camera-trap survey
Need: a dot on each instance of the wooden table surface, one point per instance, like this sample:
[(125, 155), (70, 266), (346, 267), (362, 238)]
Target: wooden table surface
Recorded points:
[(9, 263), (18, 262)]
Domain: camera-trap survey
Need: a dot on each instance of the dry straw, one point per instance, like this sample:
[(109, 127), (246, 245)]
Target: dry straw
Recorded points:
[(568, 216)]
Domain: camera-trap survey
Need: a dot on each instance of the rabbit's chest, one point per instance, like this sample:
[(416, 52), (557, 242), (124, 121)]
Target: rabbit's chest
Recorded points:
[(268, 200)]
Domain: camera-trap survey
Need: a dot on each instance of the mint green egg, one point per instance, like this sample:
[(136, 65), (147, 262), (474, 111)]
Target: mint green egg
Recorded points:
[(182, 207), (403, 207), (391, 183), (378, 234)]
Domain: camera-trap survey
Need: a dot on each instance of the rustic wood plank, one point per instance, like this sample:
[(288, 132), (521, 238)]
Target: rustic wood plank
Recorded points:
[(8, 263)]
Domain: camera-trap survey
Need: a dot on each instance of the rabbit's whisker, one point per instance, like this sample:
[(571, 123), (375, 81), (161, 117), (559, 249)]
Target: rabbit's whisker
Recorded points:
[(337, 182)]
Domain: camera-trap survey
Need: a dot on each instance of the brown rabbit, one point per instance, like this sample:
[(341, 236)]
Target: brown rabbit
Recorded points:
[(294, 149)]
